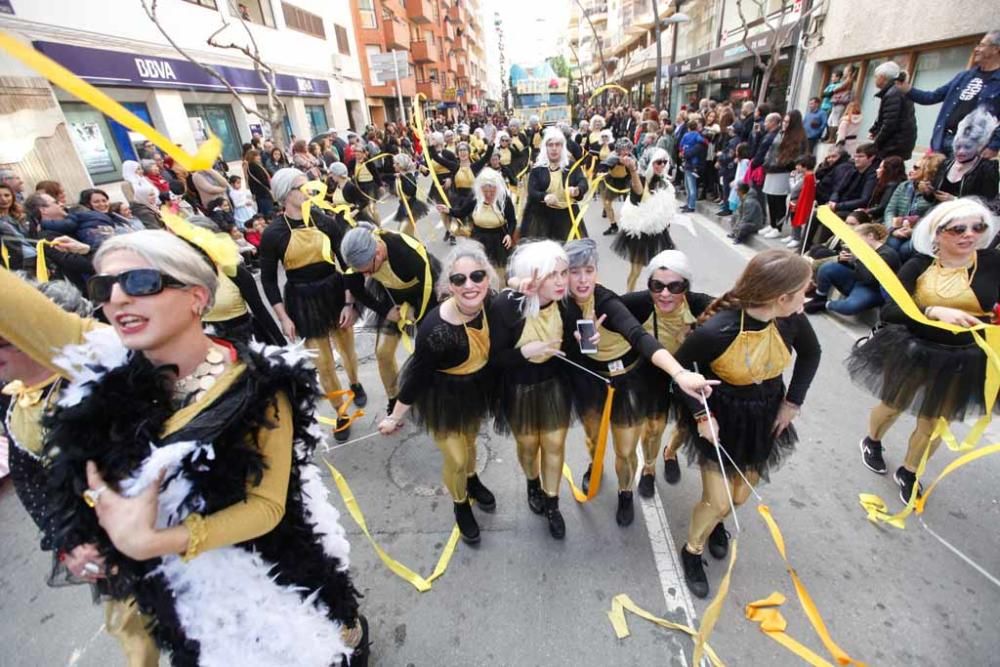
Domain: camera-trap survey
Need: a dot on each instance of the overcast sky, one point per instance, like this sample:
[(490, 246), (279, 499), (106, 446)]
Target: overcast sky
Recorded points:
[(531, 27)]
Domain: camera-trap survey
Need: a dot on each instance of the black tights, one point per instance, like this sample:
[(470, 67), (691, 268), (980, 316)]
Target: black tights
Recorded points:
[(776, 209)]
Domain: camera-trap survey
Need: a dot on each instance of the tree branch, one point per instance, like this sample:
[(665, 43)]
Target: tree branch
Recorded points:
[(757, 60), (276, 108)]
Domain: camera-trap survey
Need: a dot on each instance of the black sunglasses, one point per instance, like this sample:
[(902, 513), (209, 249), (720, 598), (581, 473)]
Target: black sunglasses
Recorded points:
[(137, 282), (674, 287), (659, 161), (458, 279), (958, 230)]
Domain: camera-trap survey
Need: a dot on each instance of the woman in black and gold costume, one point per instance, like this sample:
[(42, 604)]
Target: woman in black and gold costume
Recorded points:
[(412, 206), (592, 143), (436, 147), (448, 381), (187, 461), (463, 170), (400, 290), (624, 349), (345, 192), (746, 340), (618, 163), (317, 304), (930, 372), (366, 177), (668, 310), (553, 193), (490, 216)]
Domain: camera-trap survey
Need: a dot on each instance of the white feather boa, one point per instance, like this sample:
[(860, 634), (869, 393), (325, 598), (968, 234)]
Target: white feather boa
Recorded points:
[(653, 215)]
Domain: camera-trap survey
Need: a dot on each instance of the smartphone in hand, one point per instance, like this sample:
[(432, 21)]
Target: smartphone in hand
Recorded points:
[(587, 330)]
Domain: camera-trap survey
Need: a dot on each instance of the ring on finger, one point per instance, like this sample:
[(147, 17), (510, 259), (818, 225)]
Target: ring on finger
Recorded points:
[(92, 496)]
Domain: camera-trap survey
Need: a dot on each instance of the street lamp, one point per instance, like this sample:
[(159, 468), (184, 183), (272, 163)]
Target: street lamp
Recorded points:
[(676, 18)]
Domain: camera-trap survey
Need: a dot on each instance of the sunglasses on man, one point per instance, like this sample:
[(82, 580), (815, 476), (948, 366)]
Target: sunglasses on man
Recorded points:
[(136, 282), (674, 286)]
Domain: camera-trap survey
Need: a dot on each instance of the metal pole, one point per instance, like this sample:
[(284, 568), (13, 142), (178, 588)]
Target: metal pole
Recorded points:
[(659, 56), (670, 79), (399, 92)]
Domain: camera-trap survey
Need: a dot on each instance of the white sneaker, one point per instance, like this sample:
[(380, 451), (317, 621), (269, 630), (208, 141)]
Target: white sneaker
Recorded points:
[(771, 233), (792, 243), (786, 238)]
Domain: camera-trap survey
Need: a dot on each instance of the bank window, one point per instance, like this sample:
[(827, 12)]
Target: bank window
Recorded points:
[(303, 21), (203, 3), (217, 119), (253, 11), (367, 11), (343, 44), (94, 141), (933, 70), (317, 119)]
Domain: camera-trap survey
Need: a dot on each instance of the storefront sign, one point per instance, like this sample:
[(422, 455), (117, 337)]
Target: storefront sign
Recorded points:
[(728, 54), (115, 68)]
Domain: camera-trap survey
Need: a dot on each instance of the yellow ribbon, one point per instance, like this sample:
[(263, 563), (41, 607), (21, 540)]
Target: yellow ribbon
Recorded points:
[(607, 87), (575, 218), (969, 457), (5, 255), (773, 624), (315, 192), (598, 464), (379, 156), (422, 584), (342, 410), (808, 606), (63, 78), (404, 311), (714, 609), (622, 602), (418, 121), (220, 248), (27, 396), (41, 266)]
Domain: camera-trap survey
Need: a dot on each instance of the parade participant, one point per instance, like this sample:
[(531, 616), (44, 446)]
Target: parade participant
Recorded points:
[(365, 175), (450, 142), (317, 304), (534, 136), (646, 216), (463, 170), (521, 161), (668, 310), (400, 290), (436, 146), (552, 190), (623, 349), (193, 457), (917, 368), (448, 381), (592, 144), (345, 192), (30, 389), (489, 213), (745, 339), (479, 143), (618, 167), (582, 135), (571, 145), (526, 333), (496, 164), (412, 206)]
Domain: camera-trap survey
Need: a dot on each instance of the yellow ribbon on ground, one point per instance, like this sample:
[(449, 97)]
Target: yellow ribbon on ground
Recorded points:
[(422, 584), (598, 463), (418, 121), (808, 606), (773, 624), (622, 602), (63, 78), (347, 395), (405, 310), (607, 86), (714, 608), (41, 266)]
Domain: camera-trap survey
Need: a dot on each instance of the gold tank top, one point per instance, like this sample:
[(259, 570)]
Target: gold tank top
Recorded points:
[(487, 217), (305, 247), (536, 140), (362, 174), (388, 277), (556, 188), (546, 326), (670, 329), (952, 288), (517, 143), (753, 356), (229, 303), (479, 349), (440, 168), (505, 156), (618, 171), (464, 178), (605, 151), (24, 417), (594, 137)]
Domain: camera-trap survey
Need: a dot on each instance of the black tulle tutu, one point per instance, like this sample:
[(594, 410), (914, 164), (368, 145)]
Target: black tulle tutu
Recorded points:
[(452, 403), (923, 378), (315, 306), (657, 393), (546, 222), (534, 408), (746, 418), (641, 249), (418, 208), (628, 407), (492, 240)]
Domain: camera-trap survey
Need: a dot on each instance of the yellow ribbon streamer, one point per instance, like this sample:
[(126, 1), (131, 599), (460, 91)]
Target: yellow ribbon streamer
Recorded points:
[(952, 467), (5, 255), (773, 624), (315, 192), (27, 396), (347, 395), (622, 602), (405, 310), (418, 121), (607, 87), (63, 78), (598, 464), (379, 156), (406, 204), (220, 248), (714, 609), (41, 266), (422, 584)]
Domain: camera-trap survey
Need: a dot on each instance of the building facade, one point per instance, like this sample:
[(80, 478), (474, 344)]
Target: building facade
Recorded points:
[(309, 43)]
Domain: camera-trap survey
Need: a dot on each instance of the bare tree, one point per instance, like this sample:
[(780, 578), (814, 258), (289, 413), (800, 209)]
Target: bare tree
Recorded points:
[(275, 113), (779, 34)]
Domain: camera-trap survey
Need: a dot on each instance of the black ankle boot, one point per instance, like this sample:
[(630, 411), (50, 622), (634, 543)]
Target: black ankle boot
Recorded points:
[(466, 521), (694, 573), (484, 498), (718, 541), (557, 527), (360, 396), (345, 433), (536, 499), (626, 511)]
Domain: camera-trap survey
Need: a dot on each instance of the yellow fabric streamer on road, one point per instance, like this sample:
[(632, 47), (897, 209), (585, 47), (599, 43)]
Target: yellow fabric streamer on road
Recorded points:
[(607, 86), (773, 624), (346, 396), (714, 609), (622, 603), (598, 463), (74, 85), (422, 584)]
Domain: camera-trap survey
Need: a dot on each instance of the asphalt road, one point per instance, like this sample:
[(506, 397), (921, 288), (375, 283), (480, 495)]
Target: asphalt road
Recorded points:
[(888, 596)]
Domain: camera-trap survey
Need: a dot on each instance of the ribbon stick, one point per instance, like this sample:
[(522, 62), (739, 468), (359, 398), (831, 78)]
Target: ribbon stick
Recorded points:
[(63, 78), (418, 120), (347, 395)]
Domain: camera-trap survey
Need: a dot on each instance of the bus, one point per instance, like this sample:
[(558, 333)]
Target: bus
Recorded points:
[(539, 92)]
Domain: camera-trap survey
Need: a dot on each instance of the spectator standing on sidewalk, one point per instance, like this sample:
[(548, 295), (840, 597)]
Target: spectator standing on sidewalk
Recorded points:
[(815, 123), (895, 129)]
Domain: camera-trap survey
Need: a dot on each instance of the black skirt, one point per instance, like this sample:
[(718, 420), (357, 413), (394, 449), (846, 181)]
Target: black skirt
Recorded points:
[(539, 407), (641, 249), (492, 240), (546, 222), (315, 306), (453, 403), (923, 378), (657, 392), (746, 418), (418, 208), (628, 407)]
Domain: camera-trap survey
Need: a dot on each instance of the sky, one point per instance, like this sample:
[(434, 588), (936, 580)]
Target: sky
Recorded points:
[(531, 27)]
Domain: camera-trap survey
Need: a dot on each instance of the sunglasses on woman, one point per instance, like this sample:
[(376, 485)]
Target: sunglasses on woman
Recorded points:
[(458, 279), (674, 286), (659, 161), (959, 230), (137, 282)]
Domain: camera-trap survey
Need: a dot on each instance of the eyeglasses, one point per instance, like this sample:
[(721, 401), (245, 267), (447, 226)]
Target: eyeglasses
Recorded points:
[(674, 286), (137, 282), (958, 230), (458, 279), (659, 161)]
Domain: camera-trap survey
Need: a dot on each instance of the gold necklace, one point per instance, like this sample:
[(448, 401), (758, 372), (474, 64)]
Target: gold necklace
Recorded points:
[(192, 388)]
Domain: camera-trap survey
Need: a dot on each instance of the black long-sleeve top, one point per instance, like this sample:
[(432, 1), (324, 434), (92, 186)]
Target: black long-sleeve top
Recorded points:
[(519, 157), (449, 160), (985, 284), (540, 177), (274, 242), (760, 155), (865, 277), (467, 207), (981, 181), (506, 327), (710, 340), (446, 159), (408, 183), (617, 318), (245, 282), (258, 180), (407, 264), (353, 194), (855, 191), (574, 149)]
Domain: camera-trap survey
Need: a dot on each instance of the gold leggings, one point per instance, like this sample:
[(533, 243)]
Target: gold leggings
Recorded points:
[(652, 435), (124, 622), (714, 504), (459, 460), (385, 353), (609, 205), (626, 441), (344, 340), (326, 366), (635, 270), (545, 451), (406, 227), (881, 420)]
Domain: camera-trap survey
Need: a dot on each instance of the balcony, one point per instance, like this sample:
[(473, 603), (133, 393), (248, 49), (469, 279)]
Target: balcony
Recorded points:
[(456, 13), (396, 34), (429, 89), (424, 52), (448, 30), (460, 43), (419, 11), (462, 70)]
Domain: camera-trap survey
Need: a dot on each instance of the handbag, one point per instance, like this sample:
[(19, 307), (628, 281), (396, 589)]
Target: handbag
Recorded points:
[(754, 176)]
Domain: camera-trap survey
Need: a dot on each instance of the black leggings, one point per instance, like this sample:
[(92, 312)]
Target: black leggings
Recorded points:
[(777, 207)]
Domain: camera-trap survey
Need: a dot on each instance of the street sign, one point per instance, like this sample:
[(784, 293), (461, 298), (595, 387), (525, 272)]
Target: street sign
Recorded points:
[(389, 66)]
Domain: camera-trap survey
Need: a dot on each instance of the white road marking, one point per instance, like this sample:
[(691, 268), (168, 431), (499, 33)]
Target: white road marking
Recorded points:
[(74, 658)]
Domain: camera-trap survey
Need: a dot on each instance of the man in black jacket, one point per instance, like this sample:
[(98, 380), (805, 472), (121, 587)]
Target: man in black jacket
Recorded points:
[(895, 129), (855, 190)]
